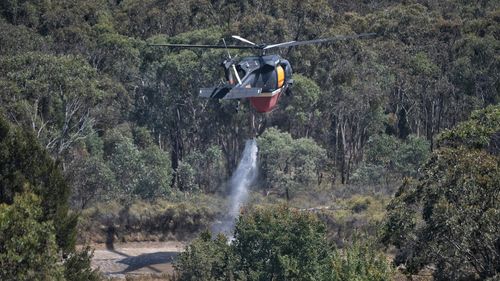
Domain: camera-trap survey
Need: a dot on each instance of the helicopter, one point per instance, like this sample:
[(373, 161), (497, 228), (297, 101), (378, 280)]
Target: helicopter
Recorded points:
[(262, 79)]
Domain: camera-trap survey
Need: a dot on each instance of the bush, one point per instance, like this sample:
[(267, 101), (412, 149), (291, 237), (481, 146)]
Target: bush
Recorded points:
[(206, 259), (28, 249), (361, 262), (203, 170), (477, 132), (77, 266), (91, 180), (24, 163), (145, 173), (280, 243), (149, 221)]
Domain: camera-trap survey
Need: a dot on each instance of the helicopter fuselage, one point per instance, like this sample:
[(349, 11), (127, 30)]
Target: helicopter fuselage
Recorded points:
[(261, 79)]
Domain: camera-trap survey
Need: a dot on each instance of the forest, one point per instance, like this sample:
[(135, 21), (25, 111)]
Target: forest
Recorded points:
[(381, 165)]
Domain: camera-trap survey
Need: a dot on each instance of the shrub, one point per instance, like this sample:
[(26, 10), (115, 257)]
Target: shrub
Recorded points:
[(206, 259), (24, 163), (145, 173), (361, 262), (280, 243), (28, 249), (77, 266)]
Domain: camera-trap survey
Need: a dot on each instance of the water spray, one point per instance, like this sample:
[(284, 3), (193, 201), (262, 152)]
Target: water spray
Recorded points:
[(245, 174)]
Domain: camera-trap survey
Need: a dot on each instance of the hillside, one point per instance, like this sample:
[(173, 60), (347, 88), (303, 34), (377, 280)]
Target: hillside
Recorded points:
[(390, 142)]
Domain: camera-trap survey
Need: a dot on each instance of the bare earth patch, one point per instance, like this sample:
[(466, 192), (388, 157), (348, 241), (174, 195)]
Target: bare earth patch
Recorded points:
[(136, 258)]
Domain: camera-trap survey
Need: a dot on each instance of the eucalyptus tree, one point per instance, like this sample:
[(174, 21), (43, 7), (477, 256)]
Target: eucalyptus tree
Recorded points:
[(448, 216)]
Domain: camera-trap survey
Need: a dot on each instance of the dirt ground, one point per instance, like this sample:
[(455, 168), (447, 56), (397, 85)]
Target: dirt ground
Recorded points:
[(136, 258)]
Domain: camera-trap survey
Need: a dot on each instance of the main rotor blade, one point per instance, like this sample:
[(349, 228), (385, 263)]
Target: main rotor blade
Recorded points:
[(244, 40), (203, 46), (318, 41)]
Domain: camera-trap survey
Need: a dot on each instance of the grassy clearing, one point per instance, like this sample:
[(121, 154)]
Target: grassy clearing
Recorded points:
[(160, 220)]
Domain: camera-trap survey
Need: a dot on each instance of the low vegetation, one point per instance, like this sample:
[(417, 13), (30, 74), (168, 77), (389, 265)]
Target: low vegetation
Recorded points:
[(279, 243), (149, 221)]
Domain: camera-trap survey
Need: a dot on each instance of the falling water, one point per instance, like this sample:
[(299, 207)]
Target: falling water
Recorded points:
[(242, 179)]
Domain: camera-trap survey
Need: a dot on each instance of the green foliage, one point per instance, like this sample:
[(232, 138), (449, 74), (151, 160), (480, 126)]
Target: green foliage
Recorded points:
[(387, 157), (28, 249), (157, 173), (360, 261), (144, 173), (409, 23), (91, 179), (120, 56), (94, 145), (453, 208), (76, 72), (411, 154), (475, 65), (52, 95), (422, 65), (303, 107), (124, 161), (17, 39), (206, 258), (77, 267), (287, 162), (37, 227), (22, 12), (279, 243), (186, 177), (476, 132), (23, 162), (206, 169)]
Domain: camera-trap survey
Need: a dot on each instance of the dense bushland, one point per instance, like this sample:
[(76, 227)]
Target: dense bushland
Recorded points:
[(81, 76)]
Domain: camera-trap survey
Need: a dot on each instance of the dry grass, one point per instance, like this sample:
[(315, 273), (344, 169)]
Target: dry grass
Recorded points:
[(182, 217), (161, 220)]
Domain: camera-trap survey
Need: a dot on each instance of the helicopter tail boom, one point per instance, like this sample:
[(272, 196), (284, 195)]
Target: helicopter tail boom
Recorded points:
[(241, 93)]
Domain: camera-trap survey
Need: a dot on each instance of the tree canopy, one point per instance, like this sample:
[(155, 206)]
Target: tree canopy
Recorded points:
[(73, 71), (448, 216)]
